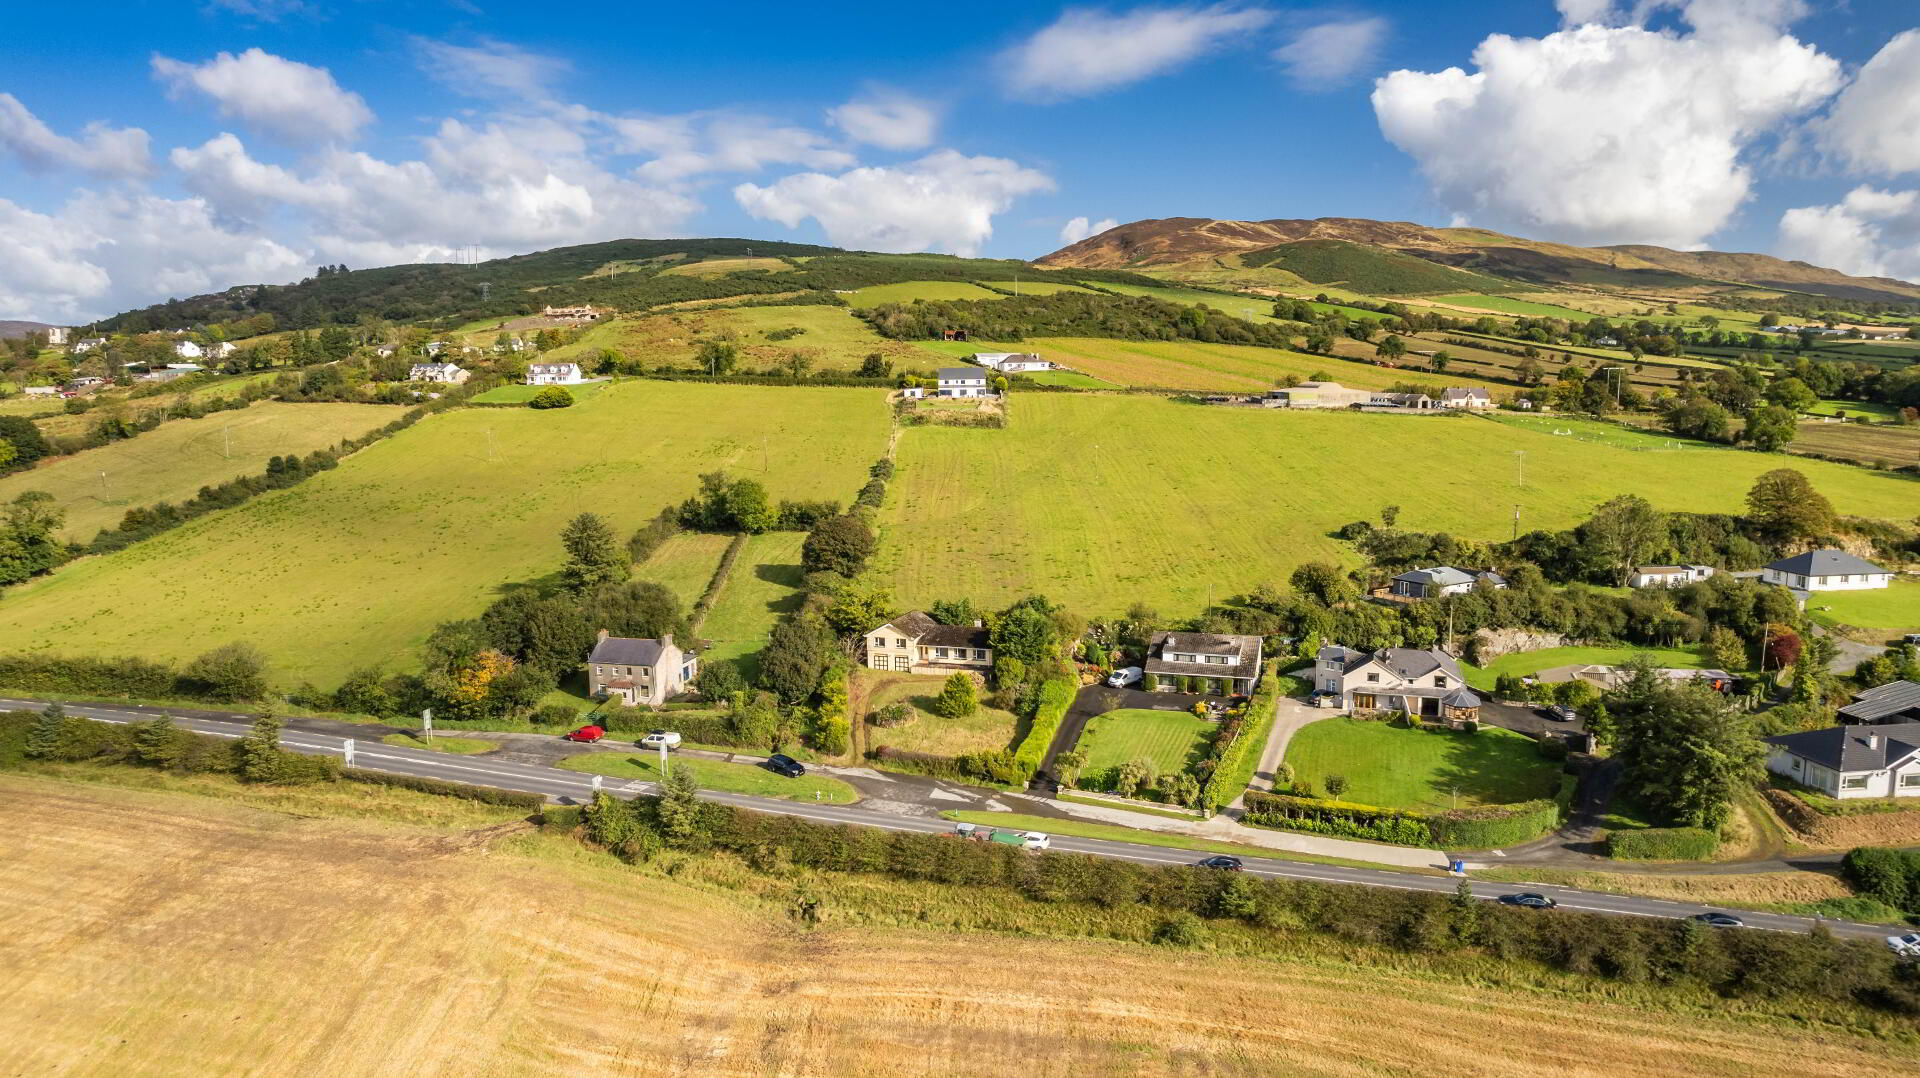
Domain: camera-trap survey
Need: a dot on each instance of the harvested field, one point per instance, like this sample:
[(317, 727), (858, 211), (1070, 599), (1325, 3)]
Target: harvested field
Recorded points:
[(444, 953), (1876, 443), (1239, 368)]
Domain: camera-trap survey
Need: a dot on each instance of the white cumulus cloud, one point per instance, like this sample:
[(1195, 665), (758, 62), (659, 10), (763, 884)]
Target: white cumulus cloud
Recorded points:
[(100, 149), (1080, 228), (284, 99), (1608, 134), (1328, 54), (1870, 232), (1088, 50), (1875, 122), (945, 201), (887, 119)]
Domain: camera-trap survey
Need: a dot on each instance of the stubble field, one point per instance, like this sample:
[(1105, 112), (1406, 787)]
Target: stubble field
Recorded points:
[(224, 938), (354, 567)]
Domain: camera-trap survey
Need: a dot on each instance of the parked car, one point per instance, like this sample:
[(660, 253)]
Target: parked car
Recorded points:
[(1125, 676), (782, 764), (1911, 638), (660, 737), (585, 733), (1229, 864), (1907, 946), (1559, 713), (1034, 840), (1720, 920), (1530, 900)]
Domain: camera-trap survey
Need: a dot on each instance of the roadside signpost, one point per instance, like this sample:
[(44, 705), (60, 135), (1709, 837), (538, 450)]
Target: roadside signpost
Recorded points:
[(426, 724), (348, 747)]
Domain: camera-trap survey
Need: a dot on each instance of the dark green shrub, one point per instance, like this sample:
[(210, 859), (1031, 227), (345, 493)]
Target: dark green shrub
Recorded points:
[(483, 794), (1180, 930), (1662, 844), (1888, 875), (1049, 708)]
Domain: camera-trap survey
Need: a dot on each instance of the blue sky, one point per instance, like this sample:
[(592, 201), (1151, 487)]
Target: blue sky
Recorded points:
[(171, 148)]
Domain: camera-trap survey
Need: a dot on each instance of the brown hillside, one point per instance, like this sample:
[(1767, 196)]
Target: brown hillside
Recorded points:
[(1177, 241)]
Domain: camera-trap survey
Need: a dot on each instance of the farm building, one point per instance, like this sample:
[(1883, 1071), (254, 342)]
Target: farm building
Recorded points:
[(1896, 701), (1826, 570), (1318, 395)]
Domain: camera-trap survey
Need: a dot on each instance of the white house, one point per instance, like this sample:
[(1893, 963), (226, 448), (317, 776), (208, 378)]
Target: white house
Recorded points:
[(963, 382), (639, 671), (917, 644), (912, 393), (554, 374), (1826, 570), (188, 350), (1419, 402), (88, 344), (43, 391), (1418, 681), (1667, 576), (444, 373), (1470, 397), (1851, 761), (1442, 580), (58, 334), (1216, 663), (222, 350), (1011, 362)]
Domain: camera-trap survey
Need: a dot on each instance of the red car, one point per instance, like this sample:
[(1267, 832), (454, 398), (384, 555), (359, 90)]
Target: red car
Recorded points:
[(586, 733)]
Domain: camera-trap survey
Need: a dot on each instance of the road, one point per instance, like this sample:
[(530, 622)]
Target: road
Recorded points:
[(570, 787)]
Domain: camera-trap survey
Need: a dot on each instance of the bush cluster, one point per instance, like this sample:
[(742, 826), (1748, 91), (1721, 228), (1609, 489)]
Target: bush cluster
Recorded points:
[(1889, 875), (1662, 844), (1458, 829)]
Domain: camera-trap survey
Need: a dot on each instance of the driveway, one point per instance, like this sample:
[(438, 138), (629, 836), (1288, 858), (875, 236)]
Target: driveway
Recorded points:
[(1524, 719), (1289, 715)]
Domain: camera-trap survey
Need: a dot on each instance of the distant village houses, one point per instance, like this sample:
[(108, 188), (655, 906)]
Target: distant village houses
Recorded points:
[(450, 374)]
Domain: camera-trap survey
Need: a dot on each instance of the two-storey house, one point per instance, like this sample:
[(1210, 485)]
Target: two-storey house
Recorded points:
[(1217, 664), (1419, 681), (639, 672), (554, 374)]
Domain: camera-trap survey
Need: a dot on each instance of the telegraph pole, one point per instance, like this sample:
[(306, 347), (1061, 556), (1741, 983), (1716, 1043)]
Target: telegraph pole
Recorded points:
[(1520, 458)]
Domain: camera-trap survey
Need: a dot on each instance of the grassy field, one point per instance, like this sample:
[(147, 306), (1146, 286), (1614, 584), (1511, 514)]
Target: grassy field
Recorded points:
[(1523, 663), (1509, 305), (685, 563), (1849, 409), (764, 585), (715, 775), (1171, 741), (715, 267), (833, 338), (1894, 607), (1875, 443), (355, 566), (1391, 766), (988, 729), (1251, 308), (1039, 288), (174, 460), (1216, 367), (519, 394), (1059, 503), (908, 291), (1071, 379)]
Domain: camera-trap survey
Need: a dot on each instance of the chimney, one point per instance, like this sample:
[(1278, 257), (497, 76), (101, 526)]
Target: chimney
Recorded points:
[(666, 640), (602, 636), (1873, 741)]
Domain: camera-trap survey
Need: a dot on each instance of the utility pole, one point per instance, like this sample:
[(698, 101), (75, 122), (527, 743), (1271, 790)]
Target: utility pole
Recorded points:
[(1516, 520), (1520, 459)]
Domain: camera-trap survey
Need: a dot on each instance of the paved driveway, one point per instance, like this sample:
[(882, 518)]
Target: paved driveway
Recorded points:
[(1524, 719)]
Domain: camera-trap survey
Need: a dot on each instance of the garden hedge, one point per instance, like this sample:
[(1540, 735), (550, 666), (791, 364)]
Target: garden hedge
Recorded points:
[(483, 794), (1890, 875), (1662, 844), (1233, 772), (1049, 709)]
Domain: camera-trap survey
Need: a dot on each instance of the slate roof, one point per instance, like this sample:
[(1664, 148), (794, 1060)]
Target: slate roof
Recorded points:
[(1846, 748), (1440, 576), (1405, 663), (1885, 701), (1465, 393), (1245, 651), (962, 374), (626, 651), (924, 630), (1825, 563)]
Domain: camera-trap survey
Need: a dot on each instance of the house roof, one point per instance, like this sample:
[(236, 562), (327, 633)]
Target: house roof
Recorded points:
[(1661, 570), (1243, 650), (1462, 698), (962, 374), (1439, 576), (1463, 393), (626, 651), (1883, 701), (1854, 748), (1404, 663), (924, 630), (552, 366), (1825, 563)]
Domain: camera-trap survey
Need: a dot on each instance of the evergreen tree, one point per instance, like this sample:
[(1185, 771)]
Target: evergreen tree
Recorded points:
[(594, 555), (957, 699), (258, 754), (156, 743), (680, 809), (43, 740)]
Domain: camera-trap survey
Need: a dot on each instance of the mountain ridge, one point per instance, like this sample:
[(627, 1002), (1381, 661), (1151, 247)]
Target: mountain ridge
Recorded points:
[(1187, 241)]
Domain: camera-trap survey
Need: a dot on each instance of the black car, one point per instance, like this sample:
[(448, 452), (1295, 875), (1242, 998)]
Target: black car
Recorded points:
[(1230, 864), (782, 764), (1529, 900), (1720, 920)]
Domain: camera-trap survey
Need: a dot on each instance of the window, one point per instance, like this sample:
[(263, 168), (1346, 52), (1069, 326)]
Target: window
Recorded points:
[(901, 644), (939, 653), (1439, 681), (980, 654), (1854, 782), (1373, 679), (599, 671), (1910, 780)]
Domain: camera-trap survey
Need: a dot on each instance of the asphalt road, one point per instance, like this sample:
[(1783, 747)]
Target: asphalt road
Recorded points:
[(570, 787)]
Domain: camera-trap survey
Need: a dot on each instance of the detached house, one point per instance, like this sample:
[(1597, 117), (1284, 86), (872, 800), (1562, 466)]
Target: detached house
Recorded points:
[(917, 644), (1419, 681), (963, 382), (1466, 397), (1826, 570), (1443, 580), (1894, 702), (1851, 761), (451, 374), (1667, 576), (638, 672), (1222, 664), (554, 374), (1011, 362), (188, 350)]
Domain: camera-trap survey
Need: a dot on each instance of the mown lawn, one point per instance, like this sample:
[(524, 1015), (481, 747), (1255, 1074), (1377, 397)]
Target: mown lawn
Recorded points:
[(355, 566), (173, 461), (1172, 741), (685, 563), (1893, 607), (764, 585), (988, 729), (1391, 766), (459, 746), (1523, 663), (1058, 503), (715, 775), (520, 394)]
